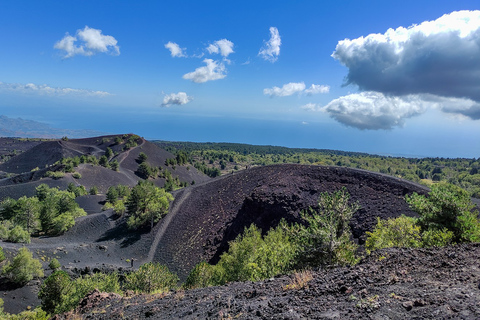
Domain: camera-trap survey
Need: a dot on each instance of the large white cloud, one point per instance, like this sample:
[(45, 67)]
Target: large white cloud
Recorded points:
[(47, 90), (440, 57), (223, 46), (213, 70), (374, 110), (179, 98), (91, 41), (175, 49), (271, 49), (295, 87)]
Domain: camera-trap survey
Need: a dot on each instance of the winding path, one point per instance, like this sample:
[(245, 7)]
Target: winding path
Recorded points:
[(166, 221)]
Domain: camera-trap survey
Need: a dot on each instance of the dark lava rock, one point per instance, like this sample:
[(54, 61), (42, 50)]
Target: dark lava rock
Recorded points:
[(204, 218), (408, 284)]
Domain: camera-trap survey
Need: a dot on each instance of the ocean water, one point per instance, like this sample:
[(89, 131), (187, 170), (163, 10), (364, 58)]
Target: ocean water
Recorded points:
[(414, 142)]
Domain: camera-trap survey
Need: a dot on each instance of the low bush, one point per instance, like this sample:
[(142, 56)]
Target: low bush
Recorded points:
[(446, 217), (23, 267), (151, 278), (18, 234)]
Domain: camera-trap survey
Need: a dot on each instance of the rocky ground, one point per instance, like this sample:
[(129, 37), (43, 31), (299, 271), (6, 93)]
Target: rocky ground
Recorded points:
[(389, 284)]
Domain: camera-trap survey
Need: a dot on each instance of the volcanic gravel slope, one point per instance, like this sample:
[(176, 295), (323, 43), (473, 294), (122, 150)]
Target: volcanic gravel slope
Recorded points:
[(389, 284), (202, 222)]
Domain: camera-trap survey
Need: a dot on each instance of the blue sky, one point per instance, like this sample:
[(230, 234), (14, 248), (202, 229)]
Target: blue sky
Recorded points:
[(384, 77)]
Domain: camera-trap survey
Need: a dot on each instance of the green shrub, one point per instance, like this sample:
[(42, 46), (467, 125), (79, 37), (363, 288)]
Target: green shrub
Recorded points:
[(151, 278), (54, 264), (55, 292), (60, 294), (77, 175), (251, 257), (55, 174), (326, 239), (437, 238), (107, 206), (447, 206), (398, 232), (5, 227), (204, 275), (93, 191), (119, 207), (18, 234), (2, 257), (23, 267)]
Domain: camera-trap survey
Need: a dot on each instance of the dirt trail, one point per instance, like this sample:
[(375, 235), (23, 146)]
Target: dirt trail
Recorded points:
[(127, 173), (70, 147), (185, 193)]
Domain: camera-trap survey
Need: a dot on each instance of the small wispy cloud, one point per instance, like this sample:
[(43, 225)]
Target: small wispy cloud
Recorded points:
[(310, 107), (87, 42), (271, 49), (295, 87), (179, 98), (175, 50), (213, 70), (47, 90)]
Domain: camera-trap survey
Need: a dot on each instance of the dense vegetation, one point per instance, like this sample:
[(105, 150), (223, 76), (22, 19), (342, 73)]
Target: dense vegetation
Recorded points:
[(446, 217), (216, 158), (51, 211)]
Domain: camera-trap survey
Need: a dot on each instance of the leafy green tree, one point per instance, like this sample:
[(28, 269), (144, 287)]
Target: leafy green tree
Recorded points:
[(23, 267), (58, 210), (144, 170), (109, 153), (447, 206), (151, 277), (55, 292), (114, 165), (103, 161), (326, 239), (23, 212), (142, 157), (112, 194), (147, 203)]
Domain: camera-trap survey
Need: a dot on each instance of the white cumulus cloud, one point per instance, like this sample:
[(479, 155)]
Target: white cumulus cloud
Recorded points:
[(223, 46), (315, 88), (440, 57), (271, 49), (179, 98), (90, 41), (374, 110), (175, 49), (295, 87), (213, 70), (44, 89)]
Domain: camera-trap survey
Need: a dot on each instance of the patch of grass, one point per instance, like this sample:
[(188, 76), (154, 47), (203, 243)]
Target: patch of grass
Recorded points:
[(300, 280)]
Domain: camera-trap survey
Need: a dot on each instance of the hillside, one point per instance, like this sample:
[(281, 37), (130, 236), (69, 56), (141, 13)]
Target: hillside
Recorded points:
[(205, 216)]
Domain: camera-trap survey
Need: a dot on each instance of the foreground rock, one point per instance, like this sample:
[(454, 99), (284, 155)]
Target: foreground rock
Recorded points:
[(390, 284)]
